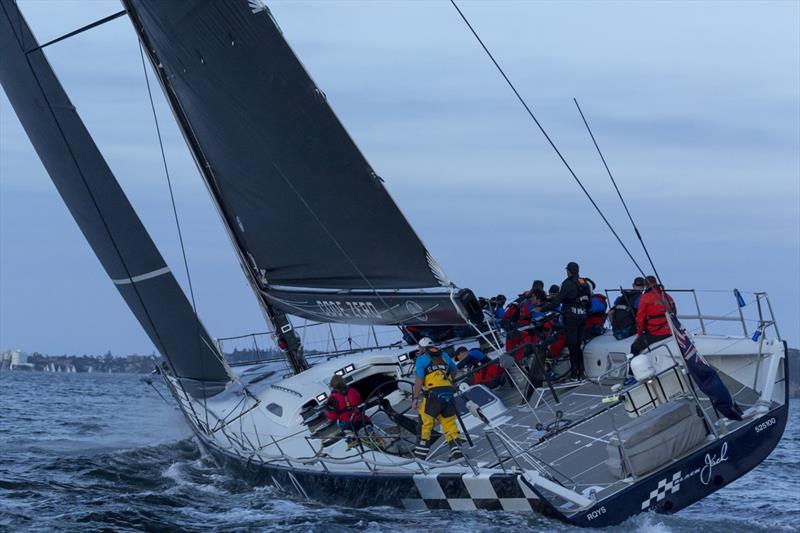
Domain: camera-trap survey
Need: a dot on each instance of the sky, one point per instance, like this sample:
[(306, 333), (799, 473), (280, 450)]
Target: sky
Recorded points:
[(696, 106)]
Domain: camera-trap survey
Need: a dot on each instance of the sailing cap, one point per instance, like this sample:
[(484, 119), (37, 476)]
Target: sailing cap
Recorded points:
[(425, 343), (572, 267)]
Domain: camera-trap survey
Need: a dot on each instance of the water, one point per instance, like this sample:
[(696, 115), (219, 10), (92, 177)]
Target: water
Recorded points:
[(84, 452)]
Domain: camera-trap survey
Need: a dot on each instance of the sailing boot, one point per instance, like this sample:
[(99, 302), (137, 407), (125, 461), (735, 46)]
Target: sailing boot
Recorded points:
[(351, 439), (455, 451), (422, 449)]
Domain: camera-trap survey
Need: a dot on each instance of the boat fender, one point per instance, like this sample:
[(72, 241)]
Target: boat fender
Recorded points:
[(642, 367)]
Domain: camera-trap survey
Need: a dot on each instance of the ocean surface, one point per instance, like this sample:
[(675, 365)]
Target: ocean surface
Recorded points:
[(89, 452)]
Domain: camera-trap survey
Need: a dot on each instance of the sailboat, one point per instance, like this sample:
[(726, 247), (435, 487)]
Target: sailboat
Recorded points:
[(320, 239)]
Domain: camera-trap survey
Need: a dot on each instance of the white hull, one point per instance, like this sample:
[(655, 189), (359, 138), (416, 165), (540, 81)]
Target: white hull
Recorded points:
[(267, 429)]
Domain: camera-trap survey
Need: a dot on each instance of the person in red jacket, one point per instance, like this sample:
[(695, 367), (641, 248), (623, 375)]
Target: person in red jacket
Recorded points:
[(343, 405), (651, 318)]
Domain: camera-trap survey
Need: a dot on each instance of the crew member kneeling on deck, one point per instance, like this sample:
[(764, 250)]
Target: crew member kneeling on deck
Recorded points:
[(434, 387), (343, 405)]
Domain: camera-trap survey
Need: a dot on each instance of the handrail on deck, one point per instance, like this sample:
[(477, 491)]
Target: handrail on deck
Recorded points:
[(701, 317)]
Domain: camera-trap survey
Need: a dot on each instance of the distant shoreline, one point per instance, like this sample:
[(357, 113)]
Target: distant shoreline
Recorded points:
[(82, 364), (144, 364)]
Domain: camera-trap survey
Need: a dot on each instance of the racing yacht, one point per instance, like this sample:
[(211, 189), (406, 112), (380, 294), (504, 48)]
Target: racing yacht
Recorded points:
[(320, 239)]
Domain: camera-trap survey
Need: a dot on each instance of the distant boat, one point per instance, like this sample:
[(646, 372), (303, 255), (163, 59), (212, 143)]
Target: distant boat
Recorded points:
[(319, 238)]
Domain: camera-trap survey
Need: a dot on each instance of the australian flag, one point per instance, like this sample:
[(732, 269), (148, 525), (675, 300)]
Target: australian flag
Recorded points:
[(703, 374)]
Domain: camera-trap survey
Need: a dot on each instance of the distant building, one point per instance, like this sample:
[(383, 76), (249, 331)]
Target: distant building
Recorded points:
[(19, 361)]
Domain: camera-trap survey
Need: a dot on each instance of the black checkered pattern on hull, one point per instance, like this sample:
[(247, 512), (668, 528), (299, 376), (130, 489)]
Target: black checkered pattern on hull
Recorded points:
[(665, 486), (467, 492)]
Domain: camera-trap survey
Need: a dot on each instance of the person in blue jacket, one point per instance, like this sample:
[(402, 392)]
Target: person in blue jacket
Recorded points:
[(499, 306), (469, 359), (434, 396)]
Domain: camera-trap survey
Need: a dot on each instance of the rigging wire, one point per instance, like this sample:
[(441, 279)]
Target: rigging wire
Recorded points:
[(169, 179), (546, 136), (177, 224), (613, 181)]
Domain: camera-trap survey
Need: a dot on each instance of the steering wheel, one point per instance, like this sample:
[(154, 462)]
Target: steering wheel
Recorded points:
[(376, 398), (376, 395)]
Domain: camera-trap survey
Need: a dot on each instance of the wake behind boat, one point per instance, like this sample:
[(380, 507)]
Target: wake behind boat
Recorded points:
[(319, 238)]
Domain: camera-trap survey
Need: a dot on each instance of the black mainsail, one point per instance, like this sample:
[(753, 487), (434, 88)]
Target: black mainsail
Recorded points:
[(317, 232), (102, 211)]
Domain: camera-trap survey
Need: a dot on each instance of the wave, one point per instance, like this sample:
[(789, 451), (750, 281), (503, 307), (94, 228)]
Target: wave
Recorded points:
[(126, 464)]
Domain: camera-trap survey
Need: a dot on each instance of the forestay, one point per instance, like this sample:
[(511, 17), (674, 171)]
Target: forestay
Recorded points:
[(303, 206)]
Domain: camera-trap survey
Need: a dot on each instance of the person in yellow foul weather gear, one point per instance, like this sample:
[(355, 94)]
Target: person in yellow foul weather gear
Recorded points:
[(434, 395)]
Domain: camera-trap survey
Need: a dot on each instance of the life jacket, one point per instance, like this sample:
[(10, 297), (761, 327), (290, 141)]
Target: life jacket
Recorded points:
[(623, 318), (582, 303), (516, 344), (597, 312), (556, 346), (437, 373), (343, 406), (653, 307), (525, 313), (488, 374), (510, 316), (599, 304)]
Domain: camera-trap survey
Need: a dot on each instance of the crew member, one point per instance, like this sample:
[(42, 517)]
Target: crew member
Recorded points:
[(492, 375), (622, 315), (651, 318), (511, 316), (596, 318), (552, 292), (537, 299), (525, 309), (343, 405), (469, 359), (574, 297), (499, 306), (434, 395)]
